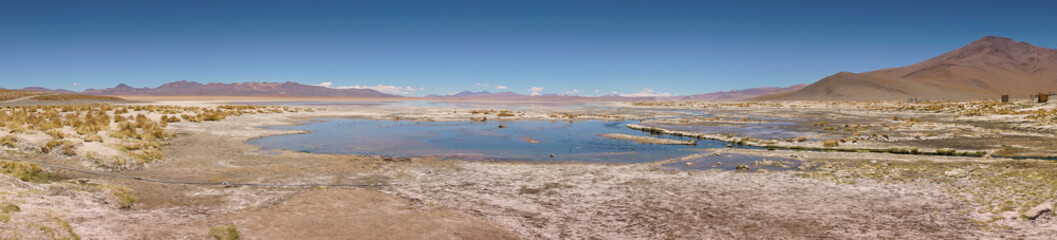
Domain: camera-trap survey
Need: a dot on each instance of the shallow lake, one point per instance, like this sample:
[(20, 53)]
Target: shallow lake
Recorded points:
[(519, 140)]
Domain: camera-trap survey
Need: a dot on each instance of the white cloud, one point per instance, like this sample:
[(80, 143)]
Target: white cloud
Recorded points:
[(596, 90), (75, 84), (390, 89), (535, 91), (500, 87), (646, 92), (574, 91), (482, 84)]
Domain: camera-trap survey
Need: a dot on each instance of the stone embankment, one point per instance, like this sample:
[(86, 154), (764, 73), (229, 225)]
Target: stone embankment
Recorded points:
[(650, 140)]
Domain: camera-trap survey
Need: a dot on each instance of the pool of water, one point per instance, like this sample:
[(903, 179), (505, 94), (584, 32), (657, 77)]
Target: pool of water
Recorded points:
[(518, 140)]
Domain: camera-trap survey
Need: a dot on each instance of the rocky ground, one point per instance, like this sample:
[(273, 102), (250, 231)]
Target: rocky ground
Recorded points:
[(212, 184)]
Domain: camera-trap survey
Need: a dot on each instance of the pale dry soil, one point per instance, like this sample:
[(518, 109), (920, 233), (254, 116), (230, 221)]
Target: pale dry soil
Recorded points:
[(433, 199)]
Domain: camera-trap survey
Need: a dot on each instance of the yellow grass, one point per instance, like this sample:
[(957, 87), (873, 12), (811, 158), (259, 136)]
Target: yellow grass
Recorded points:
[(23, 171), (6, 94), (135, 134), (73, 97)]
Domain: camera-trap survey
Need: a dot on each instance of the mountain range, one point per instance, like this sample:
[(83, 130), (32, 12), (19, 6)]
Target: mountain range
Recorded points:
[(732, 95), (292, 89), (189, 88), (512, 96), (986, 68), (481, 94)]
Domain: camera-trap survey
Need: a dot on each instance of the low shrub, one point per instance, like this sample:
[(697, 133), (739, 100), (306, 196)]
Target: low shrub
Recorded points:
[(51, 145), (69, 148), (9, 141), (93, 137)]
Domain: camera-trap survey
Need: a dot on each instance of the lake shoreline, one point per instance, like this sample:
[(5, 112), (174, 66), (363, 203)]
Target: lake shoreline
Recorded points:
[(517, 199)]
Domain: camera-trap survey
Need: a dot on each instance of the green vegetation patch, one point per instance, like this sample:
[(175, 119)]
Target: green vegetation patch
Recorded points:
[(6, 210), (224, 232), (10, 208), (28, 172)]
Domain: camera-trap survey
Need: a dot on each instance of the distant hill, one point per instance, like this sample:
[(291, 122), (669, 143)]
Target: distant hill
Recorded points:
[(188, 88), (986, 68), (45, 90), (481, 94), (292, 89), (511, 96), (738, 95)]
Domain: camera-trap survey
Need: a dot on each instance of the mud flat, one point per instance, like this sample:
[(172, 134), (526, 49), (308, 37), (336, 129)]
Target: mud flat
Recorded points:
[(650, 140), (210, 178)]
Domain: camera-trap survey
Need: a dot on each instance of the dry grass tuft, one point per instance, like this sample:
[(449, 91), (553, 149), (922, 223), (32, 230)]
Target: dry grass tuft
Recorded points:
[(50, 146), (506, 113), (6, 94), (124, 196), (224, 232), (133, 131), (9, 141), (830, 143), (28, 172), (73, 97)]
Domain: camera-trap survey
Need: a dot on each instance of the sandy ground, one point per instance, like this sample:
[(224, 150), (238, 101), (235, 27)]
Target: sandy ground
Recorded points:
[(613, 202), (433, 199)]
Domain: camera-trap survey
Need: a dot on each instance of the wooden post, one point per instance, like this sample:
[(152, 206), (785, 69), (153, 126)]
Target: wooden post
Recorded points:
[(1005, 98)]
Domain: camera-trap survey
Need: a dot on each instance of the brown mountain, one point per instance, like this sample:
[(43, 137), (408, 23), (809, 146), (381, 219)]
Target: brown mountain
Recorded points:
[(739, 95), (986, 68), (188, 88)]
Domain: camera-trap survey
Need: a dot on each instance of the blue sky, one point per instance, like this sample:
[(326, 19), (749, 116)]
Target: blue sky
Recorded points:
[(439, 47)]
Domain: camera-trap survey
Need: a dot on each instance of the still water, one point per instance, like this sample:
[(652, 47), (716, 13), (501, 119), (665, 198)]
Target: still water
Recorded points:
[(518, 140)]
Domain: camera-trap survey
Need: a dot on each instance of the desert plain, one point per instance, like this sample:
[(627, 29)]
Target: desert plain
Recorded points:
[(181, 168)]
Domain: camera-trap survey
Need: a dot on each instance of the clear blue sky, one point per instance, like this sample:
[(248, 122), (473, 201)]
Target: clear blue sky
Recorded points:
[(439, 47)]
